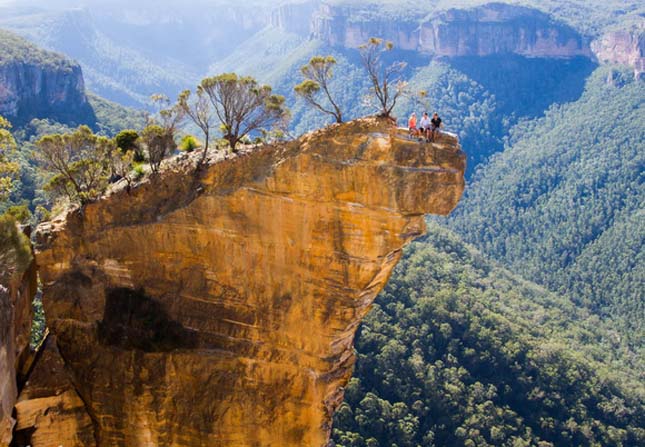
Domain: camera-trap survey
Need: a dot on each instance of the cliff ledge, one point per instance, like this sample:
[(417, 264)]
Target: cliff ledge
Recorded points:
[(221, 309)]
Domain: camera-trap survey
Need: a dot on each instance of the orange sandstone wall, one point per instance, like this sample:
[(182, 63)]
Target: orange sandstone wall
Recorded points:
[(220, 309)]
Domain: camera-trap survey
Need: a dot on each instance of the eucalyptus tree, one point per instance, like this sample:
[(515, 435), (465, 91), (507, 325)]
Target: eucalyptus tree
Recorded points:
[(318, 73), (243, 106), (9, 168), (387, 79), (78, 164), (199, 110)]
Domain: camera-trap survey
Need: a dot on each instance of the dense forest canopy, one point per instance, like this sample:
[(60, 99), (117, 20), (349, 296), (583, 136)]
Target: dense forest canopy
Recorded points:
[(14, 48), (562, 205), (458, 351)]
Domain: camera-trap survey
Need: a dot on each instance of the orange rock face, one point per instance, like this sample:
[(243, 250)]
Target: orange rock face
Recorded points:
[(219, 308), (15, 331), (50, 412)]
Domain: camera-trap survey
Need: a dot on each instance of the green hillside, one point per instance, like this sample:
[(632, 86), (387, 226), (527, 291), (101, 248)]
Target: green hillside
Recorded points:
[(460, 352), (563, 204), (16, 49)]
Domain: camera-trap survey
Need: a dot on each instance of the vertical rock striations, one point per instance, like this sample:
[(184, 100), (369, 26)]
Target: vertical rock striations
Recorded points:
[(494, 28), (625, 47), (35, 83), (221, 311), (16, 315), (295, 17)]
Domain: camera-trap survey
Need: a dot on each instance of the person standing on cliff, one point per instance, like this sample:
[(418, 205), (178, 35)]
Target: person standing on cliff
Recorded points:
[(435, 124), (424, 126)]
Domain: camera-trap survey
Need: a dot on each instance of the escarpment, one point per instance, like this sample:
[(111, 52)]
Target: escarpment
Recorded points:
[(220, 310), (626, 47), (35, 83), (490, 29)]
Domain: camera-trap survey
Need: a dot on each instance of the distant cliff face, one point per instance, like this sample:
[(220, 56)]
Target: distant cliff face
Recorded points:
[(39, 84), (295, 17), (626, 47), (222, 310), (495, 28)]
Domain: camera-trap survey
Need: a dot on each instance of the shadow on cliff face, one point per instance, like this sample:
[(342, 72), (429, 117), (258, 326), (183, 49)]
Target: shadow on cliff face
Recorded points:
[(133, 320)]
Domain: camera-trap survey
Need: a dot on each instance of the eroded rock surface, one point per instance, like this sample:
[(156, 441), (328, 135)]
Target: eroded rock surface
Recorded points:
[(16, 315), (221, 311), (50, 412), (626, 47)]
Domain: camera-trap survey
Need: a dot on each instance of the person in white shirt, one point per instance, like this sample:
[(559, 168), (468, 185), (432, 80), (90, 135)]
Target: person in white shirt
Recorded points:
[(424, 126)]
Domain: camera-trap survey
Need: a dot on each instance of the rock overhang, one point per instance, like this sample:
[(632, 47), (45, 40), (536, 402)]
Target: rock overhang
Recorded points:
[(237, 291)]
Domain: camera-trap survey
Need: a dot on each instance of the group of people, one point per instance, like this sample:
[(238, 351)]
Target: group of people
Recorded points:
[(428, 128)]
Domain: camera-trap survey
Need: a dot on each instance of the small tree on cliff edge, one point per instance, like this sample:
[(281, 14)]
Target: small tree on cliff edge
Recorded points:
[(387, 83), (243, 106), (79, 161), (128, 141), (317, 73), (198, 109)]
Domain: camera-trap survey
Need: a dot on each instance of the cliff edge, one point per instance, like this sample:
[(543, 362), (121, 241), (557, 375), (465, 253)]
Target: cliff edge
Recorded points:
[(221, 309)]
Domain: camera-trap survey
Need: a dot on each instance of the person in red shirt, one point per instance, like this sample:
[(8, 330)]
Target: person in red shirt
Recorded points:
[(412, 125)]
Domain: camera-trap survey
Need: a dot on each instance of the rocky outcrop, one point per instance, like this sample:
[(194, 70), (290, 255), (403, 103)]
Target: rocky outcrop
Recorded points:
[(491, 29), (35, 83), (499, 28), (624, 47), (221, 309), (16, 315), (337, 26), (50, 412)]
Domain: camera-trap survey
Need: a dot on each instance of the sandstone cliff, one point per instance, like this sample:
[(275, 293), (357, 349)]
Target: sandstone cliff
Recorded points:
[(221, 310), (15, 331), (494, 28), (35, 83), (295, 17), (625, 47)]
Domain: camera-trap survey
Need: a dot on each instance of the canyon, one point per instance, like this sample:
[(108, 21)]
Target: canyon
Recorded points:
[(218, 306)]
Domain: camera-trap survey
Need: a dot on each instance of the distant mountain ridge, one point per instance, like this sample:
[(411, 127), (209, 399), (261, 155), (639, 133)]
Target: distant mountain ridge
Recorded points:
[(130, 51), (494, 28)]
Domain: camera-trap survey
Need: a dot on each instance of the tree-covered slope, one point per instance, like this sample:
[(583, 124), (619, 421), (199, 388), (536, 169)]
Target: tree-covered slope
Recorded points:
[(14, 48), (562, 205), (38, 85), (458, 351)]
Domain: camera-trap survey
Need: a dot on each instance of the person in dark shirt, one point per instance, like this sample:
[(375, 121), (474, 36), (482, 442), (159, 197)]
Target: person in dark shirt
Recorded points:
[(436, 124)]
